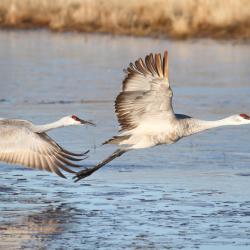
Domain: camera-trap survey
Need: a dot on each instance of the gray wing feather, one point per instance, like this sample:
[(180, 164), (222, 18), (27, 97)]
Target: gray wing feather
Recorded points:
[(19, 145), (146, 92)]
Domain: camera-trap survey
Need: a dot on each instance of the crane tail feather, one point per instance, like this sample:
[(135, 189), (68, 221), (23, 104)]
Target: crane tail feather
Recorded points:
[(116, 139)]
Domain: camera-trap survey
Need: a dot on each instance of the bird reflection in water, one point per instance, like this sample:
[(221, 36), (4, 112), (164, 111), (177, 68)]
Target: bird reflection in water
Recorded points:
[(34, 231)]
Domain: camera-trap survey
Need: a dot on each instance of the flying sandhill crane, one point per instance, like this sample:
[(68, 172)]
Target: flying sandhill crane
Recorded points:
[(145, 113), (24, 143)]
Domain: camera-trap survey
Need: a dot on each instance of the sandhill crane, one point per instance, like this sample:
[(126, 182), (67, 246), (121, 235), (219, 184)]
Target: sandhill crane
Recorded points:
[(145, 113), (22, 142)]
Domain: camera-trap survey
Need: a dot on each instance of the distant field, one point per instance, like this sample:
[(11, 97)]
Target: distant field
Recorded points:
[(164, 18)]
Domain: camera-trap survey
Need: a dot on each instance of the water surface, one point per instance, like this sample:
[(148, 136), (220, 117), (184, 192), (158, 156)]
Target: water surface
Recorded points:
[(194, 194)]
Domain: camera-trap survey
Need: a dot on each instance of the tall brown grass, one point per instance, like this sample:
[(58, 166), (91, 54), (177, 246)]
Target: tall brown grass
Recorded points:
[(170, 18)]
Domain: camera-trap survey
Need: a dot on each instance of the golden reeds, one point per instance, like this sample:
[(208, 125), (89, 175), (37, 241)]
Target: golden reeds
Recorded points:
[(168, 18)]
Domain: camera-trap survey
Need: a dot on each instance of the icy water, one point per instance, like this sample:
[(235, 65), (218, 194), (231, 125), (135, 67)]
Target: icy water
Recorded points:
[(191, 195)]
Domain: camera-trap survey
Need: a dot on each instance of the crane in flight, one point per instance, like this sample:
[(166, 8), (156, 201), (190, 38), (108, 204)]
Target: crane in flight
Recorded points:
[(22, 142), (145, 112)]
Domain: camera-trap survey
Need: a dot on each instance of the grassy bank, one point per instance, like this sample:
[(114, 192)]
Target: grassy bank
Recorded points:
[(167, 18)]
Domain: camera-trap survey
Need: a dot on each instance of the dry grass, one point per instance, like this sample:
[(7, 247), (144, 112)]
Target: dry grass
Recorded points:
[(170, 18)]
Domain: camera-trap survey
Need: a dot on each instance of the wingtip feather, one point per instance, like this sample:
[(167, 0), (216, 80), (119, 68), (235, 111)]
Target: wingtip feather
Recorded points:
[(158, 64), (165, 64)]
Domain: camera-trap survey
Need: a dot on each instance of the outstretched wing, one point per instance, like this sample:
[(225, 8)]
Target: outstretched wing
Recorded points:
[(146, 93), (19, 145)]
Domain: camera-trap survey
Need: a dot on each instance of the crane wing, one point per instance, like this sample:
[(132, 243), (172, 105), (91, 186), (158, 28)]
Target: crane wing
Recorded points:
[(19, 145), (146, 92)]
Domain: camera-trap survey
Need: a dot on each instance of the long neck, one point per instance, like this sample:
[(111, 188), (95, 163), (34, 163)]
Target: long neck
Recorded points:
[(192, 126), (47, 127)]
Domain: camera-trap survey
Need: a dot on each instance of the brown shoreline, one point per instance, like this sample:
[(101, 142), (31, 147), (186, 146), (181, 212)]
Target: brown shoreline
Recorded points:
[(156, 18)]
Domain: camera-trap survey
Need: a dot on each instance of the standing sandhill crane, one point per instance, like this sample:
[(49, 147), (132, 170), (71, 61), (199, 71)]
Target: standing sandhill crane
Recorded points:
[(24, 143), (145, 113)]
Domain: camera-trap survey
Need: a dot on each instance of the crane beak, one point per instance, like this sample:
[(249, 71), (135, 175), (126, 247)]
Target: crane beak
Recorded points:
[(87, 122)]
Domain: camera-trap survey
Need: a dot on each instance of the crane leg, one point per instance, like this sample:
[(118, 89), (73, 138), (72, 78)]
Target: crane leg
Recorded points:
[(88, 171)]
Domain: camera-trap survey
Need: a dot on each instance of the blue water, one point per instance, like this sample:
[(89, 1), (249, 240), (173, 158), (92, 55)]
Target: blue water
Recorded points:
[(190, 195)]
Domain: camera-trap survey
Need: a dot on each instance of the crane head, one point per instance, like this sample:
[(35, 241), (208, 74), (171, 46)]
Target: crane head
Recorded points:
[(245, 116), (77, 121), (241, 119), (74, 120)]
